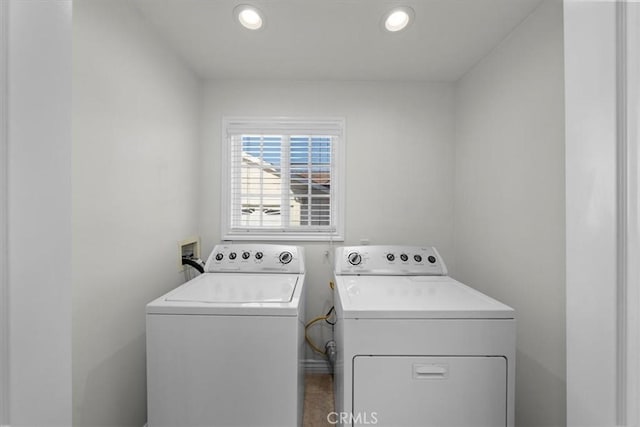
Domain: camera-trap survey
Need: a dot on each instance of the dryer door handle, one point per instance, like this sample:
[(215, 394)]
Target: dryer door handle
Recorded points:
[(430, 371)]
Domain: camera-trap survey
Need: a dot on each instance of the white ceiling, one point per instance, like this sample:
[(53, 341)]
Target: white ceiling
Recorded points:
[(335, 39)]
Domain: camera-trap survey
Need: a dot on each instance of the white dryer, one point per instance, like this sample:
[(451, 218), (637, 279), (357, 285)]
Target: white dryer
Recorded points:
[(417, 348), (226, 348)]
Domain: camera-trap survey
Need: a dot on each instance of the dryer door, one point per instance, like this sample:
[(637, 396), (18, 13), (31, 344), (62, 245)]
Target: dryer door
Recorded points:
[(452, 391)]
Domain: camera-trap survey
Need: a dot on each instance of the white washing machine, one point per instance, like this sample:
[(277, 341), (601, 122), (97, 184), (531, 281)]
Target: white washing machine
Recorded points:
[(226, 348), (417, 348)]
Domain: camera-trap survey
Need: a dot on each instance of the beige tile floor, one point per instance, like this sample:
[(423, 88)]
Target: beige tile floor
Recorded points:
[(318, 400)]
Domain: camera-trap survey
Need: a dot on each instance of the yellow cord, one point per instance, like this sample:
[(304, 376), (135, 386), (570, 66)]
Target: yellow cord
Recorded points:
[(306, 337), (312, 322)]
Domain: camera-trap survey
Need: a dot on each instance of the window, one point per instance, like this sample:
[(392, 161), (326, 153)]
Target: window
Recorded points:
[(283, 179)]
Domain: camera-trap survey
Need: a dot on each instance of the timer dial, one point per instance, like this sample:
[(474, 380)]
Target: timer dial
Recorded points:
[(354, 258), (285, 257)]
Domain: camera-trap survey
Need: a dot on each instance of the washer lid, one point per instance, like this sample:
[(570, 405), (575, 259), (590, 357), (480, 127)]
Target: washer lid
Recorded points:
[(415, 297), (237, 288), (233, 294)]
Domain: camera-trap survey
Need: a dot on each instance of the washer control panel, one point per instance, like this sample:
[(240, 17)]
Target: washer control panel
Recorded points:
[(389, 260), (256, 258)]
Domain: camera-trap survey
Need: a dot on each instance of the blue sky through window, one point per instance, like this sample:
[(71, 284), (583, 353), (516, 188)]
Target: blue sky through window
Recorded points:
[(303, 148)]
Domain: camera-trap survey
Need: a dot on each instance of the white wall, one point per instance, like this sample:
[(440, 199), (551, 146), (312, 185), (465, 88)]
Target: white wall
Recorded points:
[(399, 161), (39, 214), (590, 61), (4, 218), (633, 214), (509, 201), (135, 174)]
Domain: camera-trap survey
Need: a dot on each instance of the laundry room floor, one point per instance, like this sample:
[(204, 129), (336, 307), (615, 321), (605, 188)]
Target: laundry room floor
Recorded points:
[(318, 400)]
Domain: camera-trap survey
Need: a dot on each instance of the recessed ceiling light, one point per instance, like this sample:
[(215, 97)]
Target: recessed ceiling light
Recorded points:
[(250, 17), (398, 19)]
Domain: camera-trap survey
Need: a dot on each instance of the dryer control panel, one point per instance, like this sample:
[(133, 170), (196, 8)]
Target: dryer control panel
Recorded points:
[(256, 258), (389, 260)]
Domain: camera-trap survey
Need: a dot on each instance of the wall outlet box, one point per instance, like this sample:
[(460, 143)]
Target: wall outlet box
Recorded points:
[(188, 248)]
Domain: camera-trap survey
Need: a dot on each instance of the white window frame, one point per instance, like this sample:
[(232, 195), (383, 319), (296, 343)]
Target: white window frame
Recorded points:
[(287, 125)]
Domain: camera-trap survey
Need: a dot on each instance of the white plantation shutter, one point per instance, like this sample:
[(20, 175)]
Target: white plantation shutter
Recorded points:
[(283, 179)]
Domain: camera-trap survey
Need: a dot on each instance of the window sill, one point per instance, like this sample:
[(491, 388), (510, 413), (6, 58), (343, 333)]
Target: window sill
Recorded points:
[(285, 236)]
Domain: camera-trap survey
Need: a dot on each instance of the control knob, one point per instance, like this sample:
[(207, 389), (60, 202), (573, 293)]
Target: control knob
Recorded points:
[(432, 259), (285, 257), (404, 257), (219, 256), (259, 255), (245, 255), (417, 258), (354, 258), (391, 257), (232, 256)]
